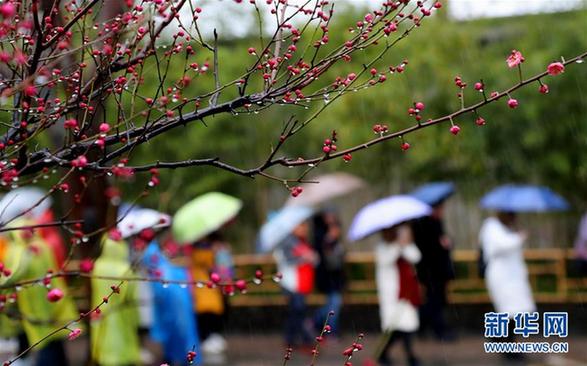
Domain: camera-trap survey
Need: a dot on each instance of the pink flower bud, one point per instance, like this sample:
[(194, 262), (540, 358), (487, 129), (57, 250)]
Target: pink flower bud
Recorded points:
[(104, 127), (513, 103), (54, 295), (455, 130), (241, 285), (214, 277), (74, 334), (7, 10), (86, 265)]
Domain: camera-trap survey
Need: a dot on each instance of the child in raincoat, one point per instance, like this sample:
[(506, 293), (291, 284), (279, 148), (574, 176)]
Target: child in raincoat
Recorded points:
[(398, 290), (209, 303), (114, 332), (28, 256)]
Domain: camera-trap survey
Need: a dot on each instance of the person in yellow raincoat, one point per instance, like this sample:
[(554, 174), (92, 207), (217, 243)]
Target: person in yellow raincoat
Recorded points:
[(209, 303), (28, 256), (114, 333)]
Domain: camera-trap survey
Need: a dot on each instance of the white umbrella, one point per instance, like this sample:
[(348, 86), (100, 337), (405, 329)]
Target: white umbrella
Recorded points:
[(281, 225), (20, 200), (328, 187), (138, 219), (385, 213)]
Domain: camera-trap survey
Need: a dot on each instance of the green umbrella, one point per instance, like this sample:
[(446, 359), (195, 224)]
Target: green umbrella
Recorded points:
[(204, 215)]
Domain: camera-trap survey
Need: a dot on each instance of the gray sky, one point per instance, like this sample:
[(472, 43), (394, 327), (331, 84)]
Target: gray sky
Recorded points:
[(235, 19)]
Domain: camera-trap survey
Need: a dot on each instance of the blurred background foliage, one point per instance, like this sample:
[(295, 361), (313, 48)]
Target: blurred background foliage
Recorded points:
[(541, 142)]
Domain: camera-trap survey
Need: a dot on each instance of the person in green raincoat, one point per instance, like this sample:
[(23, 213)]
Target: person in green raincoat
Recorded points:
[(28, 256), (114, 333)]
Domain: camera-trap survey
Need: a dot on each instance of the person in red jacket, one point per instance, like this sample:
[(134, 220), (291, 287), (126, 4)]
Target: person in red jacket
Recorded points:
[(296, 260)]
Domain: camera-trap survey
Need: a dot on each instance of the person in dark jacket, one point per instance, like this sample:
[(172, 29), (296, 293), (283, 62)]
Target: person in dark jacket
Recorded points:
[(435, 270), (330, 279)]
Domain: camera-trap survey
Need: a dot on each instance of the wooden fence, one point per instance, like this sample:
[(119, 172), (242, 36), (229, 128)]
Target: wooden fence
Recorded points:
[(552, 275)]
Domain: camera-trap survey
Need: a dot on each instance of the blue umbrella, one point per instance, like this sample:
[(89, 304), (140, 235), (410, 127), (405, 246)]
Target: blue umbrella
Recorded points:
[(433, 193), (281, 225), (523, 198)]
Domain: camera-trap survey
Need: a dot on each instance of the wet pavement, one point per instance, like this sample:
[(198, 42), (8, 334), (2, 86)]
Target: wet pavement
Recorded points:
[(267, 349)]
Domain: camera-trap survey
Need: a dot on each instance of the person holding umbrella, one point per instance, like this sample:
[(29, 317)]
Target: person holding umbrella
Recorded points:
[(435, 270), (287, 235), (28, 255), (396, 254), (327, 233), (330, 276), (114, 338), (198, 224), (502, 243)]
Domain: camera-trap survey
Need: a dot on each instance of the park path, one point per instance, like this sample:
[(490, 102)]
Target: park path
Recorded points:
[(267, 350)]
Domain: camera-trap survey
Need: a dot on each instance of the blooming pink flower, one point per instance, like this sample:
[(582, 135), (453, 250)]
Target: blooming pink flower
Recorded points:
[(54, 295), (555, 68), (515, 58), (74, 334)]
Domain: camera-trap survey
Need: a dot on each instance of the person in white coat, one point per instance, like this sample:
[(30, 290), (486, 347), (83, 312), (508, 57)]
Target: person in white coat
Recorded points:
[(506, 275), (398, 290)]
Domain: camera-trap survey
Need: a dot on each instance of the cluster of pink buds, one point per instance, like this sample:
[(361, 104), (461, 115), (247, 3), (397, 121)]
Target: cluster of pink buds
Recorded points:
[(296, 191), (376, 77), (355, 347), (191, 356), (4, 271), (7, 298), (380, 129), (288, 353), (415, 111), (329, 146), (460, 83), (79, 162), (154, 181), (399, 68)]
